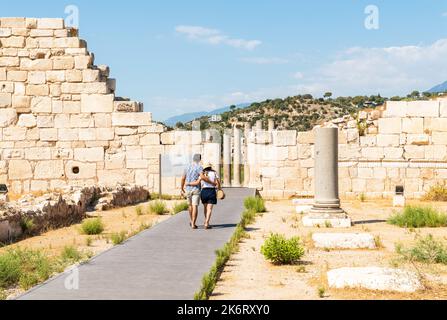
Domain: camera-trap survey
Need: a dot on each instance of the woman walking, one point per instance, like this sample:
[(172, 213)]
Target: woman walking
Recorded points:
[(208, 194)]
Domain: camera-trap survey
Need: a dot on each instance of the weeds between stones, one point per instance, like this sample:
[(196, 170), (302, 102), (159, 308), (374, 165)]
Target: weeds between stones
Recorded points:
[(426, 250), (158, 207), (180, 207), (255, 203), (436, 193), (279, 250), (118, 238)]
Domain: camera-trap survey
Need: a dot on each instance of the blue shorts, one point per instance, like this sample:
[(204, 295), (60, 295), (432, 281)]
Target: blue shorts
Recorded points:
[(209, 196)]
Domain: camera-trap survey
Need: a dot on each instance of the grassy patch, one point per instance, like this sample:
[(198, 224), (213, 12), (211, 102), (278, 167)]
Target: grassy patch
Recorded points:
[(280, 250), (419, 217), (92, 226), (27, 225), (139, 210), (118, 238), (180, 207), (223, 255), (24, 267), (426, 250), (255, 203), (158, 207), (71, 255), (436, 193)]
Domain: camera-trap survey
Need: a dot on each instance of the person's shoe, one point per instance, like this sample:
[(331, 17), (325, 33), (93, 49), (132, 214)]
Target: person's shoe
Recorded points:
[(195, 227), (208, 227)]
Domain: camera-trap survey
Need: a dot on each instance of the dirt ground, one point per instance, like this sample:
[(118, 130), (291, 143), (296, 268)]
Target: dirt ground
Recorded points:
[(115, 221), (249, 276)]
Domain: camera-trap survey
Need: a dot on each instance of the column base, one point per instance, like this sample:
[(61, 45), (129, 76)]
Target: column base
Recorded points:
[(329, 218)]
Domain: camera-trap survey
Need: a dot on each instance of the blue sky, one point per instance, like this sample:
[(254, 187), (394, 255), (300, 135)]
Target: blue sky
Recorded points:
[(183, 56)]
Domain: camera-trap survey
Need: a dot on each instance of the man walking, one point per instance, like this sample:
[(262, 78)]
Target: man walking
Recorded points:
[(192, 174)]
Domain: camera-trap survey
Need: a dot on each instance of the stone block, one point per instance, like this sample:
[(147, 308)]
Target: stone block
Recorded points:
[(309, 221), (55, 76), (50, 169), (50, 23), (393, 153), (167, 138), (48, 135), (102, 120), (439, 138), (7, 117), (284, 138), (128, 106), (14, 134), (17, 75), (96, 103), (73, 75), (112, 177), (9, 61), (373, 153), (13, 22), (388, 140), (36, 65), (5, 100), (83, 62), (27, 121), (71, 107), (390, 126), (414, 152), (87, 134), (188, 137), (21, 103), (436, 152), (306, 137), (13, 42), (89, 154), (45, 121), (423, 109), (436, 124), (115, 161), (395, 109), (413, 125), (105, 134), (443, 108), (37, 90), (68, 134), (81, 121), (344, 241), (75, 170), (374, 278), (150, 139), (19, 170), (418, 139)]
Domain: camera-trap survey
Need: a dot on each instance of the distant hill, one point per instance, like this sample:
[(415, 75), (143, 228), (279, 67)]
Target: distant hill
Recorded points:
[(187, 117), (439, 88)]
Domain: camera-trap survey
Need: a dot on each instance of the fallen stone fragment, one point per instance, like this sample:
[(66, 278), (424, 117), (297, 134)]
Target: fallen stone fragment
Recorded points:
[(374, 278), (344, 240)]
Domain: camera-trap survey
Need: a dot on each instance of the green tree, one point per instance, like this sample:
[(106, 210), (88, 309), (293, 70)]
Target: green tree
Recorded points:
[(328, 95)]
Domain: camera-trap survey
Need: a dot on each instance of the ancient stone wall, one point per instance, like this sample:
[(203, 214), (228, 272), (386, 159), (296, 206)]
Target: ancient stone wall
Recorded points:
[(403, 145)]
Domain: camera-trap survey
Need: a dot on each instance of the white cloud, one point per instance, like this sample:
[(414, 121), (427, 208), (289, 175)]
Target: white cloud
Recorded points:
[(264, 61), (215, 37), (298, 75), (444, 14)]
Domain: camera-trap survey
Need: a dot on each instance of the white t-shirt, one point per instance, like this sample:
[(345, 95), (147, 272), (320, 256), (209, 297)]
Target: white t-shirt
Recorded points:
[(212, 176)]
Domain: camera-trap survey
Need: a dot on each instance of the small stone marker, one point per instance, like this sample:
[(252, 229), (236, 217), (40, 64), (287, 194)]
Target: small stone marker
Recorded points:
[(374, 278), (344, 240)]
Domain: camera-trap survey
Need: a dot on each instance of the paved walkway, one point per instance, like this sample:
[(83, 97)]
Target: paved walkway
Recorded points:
[(166, 262)]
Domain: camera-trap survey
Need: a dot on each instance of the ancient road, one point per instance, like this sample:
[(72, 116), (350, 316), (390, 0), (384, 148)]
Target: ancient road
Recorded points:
[(166, 262)]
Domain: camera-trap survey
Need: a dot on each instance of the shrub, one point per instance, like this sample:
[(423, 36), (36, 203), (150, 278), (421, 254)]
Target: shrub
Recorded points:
[(71, 254), (279, 250), (426, 250), (180, 207), (419, 217), (118, 238), (436, 193), (24, 267), (92, 226), (255, 203), (158, 207), (27, 225), (88, 241)]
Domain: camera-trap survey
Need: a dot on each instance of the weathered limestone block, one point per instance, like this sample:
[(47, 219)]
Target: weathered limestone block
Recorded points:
[(62, 154), (121, 131), (13, 22), (413, 125), (19, 170), (81, 121), (418, 139), (368, 141), (188, 137), (151, 152), (414, 152), (137, 164), (284, 138), (105, 134), (443, 108), (388, 140), (84, 88), (39, 185), (131, 119), (390, 126), (87, 134), (374, 278), (14, 134), (344, 240), (439, 138), (36, 65), (150, 139), (373, 153), (393, 153), (45, 121), (96, 103), (68, 134), (41, 105), (102, 120), (50, 23), (130, 140), (423, 109), (41, 153), (75, 170), (89, 154), (13, 42), (111, 177), (306, 137), (167, 138), (83, 62), (50, 169), (17, 75), (5, 100), (71, 107), (115, 161), (48, 135), (436, 152), (128, 106), (7, 117)]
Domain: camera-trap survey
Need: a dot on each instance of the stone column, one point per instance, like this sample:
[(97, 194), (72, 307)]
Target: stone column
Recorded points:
[(246, 164), (271, 125), (259, 125), (237, 158), (326, 211), (227, 159)]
